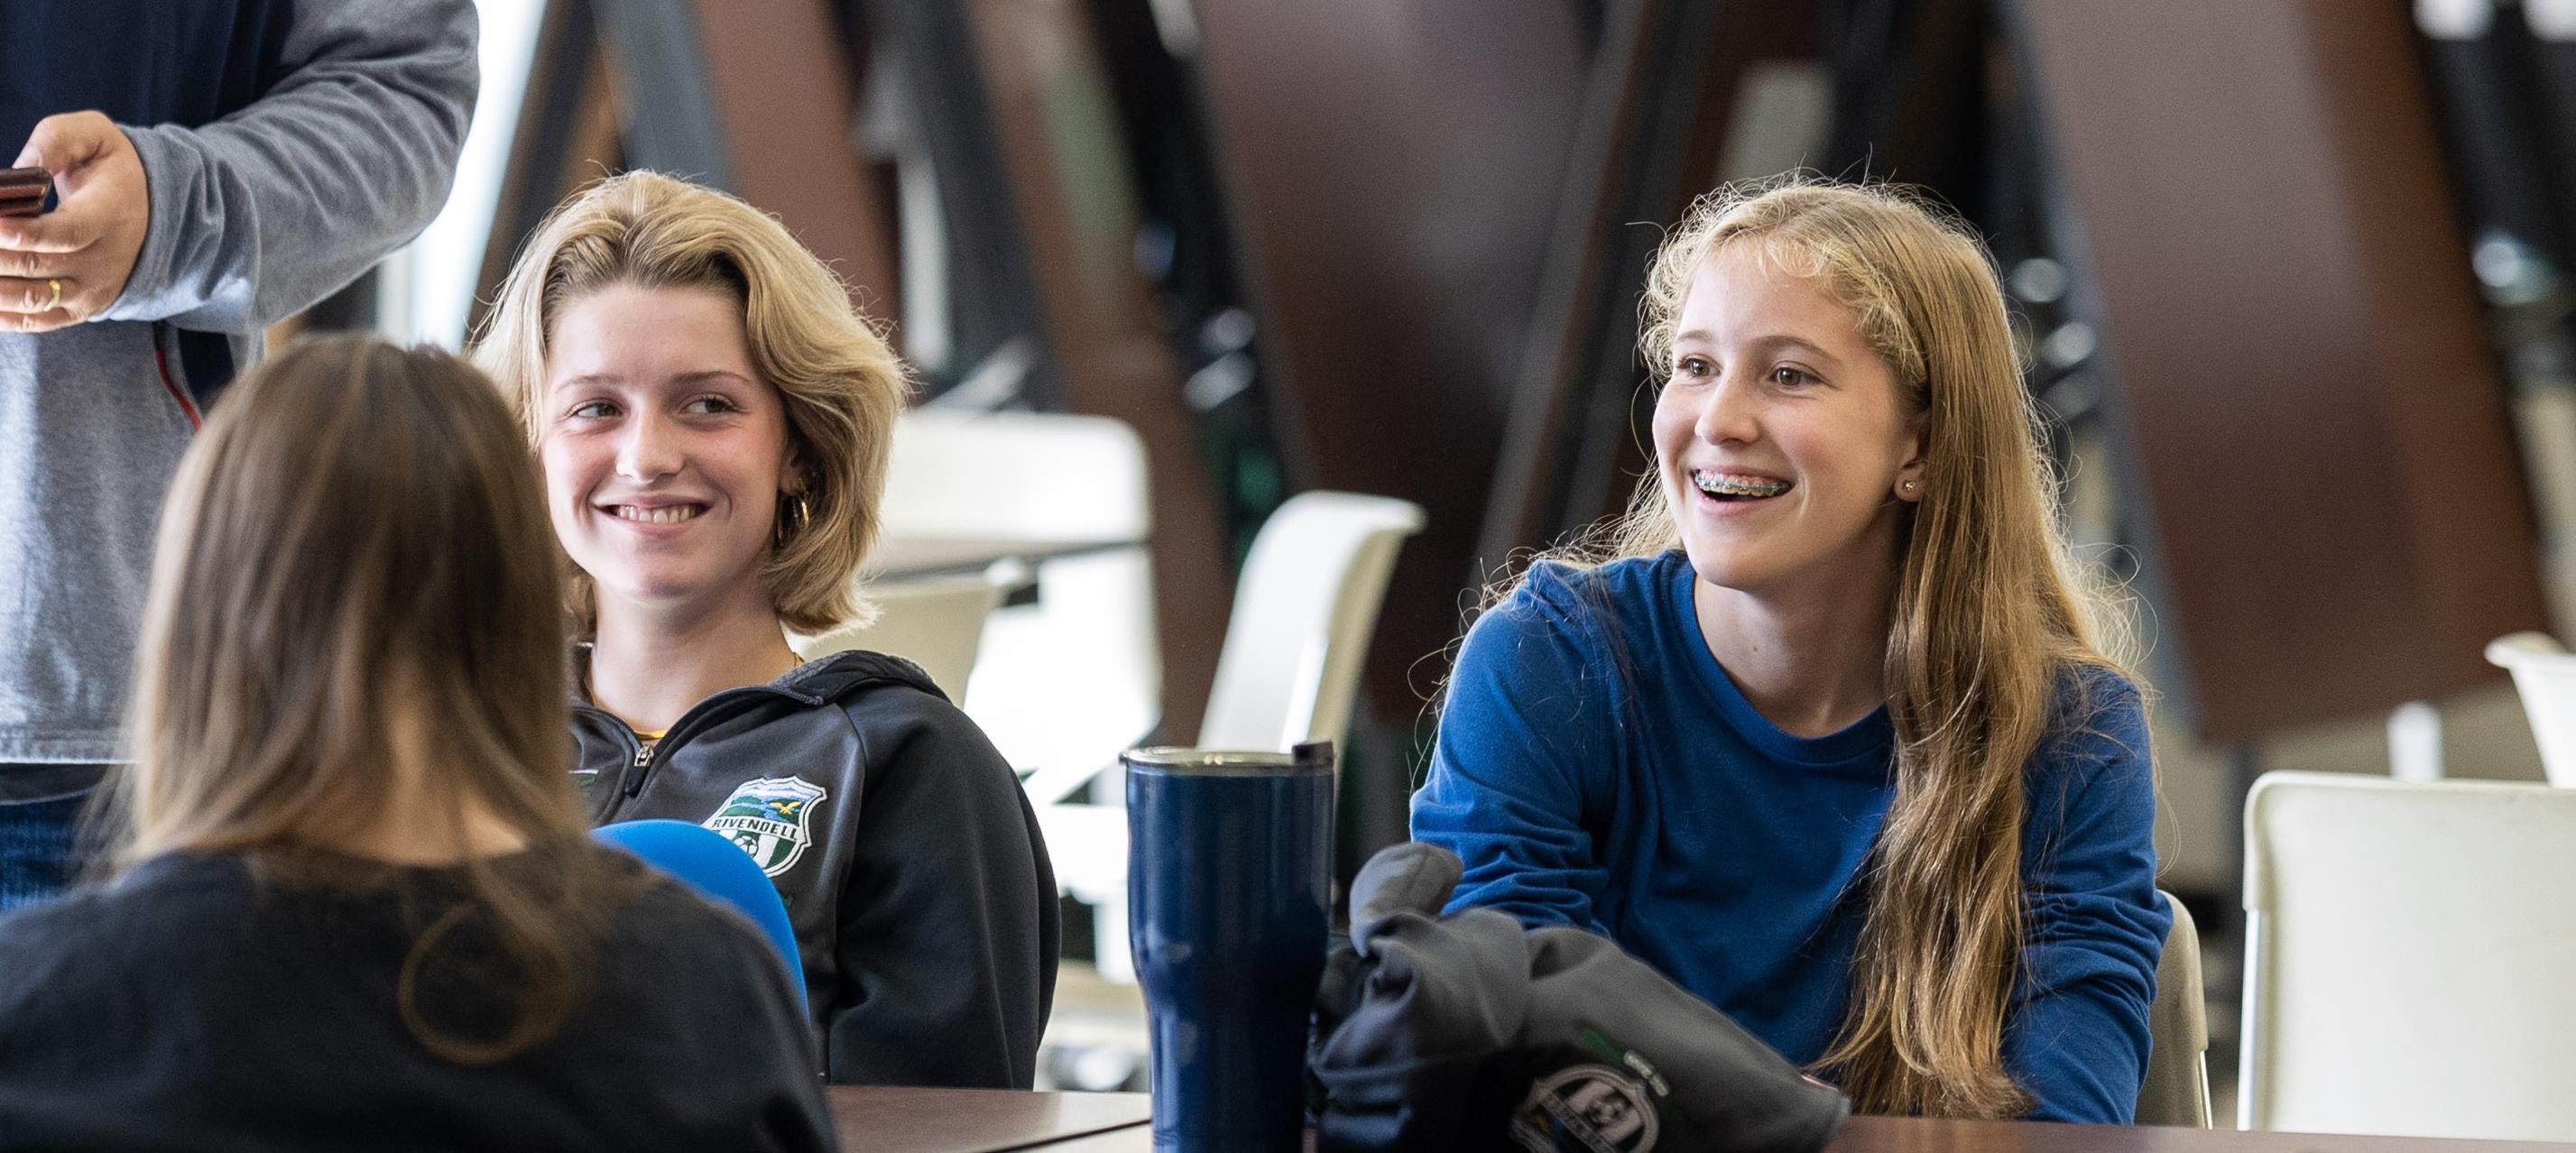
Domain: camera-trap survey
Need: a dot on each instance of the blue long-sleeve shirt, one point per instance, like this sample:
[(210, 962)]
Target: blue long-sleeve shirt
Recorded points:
[(1596, 767)]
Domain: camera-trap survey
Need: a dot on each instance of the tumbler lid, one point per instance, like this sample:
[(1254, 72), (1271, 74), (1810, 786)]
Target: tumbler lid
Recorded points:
[(1171, 758)]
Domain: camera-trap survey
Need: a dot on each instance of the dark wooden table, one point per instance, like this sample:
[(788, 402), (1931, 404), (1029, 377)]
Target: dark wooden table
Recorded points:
[(979, 1120), (983, 1120), (1909, 1135)]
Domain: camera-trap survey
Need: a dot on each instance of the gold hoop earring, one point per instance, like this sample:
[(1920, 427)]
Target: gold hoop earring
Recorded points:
[(792, 519)]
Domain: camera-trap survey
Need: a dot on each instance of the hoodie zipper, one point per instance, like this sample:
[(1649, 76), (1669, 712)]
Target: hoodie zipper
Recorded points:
[(640, 768)]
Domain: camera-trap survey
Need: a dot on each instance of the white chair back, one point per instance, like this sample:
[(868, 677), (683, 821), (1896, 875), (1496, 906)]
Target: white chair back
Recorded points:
[(2410, 958), (2176, 1091), (1303, 612), (934, 622), (1033, 476), (2544, 673), (1304, 608), (1067, 681)]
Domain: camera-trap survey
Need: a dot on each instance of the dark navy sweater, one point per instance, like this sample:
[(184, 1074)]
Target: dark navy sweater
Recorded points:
[(139, 61), (1596, 767)]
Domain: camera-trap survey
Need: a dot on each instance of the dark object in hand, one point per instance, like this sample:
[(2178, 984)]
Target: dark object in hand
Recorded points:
[(23, 191)]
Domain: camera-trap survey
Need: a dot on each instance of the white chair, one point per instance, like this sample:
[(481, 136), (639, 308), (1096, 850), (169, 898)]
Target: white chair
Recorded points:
[(2176, 1091), (2544, 674), (2410, 958), (1303, 611), (1075, 676), (1034, 476), (934, 622)]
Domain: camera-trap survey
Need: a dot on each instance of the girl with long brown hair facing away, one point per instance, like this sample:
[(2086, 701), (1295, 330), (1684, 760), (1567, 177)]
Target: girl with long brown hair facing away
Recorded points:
[(713, 420), (358, 905), (1821, 728)]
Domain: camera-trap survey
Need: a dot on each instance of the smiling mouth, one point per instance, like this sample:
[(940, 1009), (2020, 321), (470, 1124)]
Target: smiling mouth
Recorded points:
[(657, 514), (1728, 486)]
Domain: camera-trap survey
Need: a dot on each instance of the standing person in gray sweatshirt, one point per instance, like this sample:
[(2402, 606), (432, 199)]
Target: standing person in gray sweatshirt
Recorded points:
[(220, 165)]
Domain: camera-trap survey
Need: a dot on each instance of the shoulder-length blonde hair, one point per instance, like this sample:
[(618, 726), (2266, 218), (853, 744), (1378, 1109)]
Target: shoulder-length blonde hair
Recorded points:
[(843, 385), (351, 560), (1990, 616)]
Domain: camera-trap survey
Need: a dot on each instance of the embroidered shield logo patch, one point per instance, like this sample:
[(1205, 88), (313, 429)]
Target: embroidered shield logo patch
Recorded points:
[(1587, 1109), (772, 819)]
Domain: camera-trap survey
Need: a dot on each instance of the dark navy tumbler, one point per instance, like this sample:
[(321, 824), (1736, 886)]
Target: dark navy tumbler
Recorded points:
[(1229, 896)]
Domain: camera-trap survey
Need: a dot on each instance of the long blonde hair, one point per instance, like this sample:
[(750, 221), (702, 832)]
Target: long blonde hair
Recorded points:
[(1990, 614), (842, 384), (353, 548)]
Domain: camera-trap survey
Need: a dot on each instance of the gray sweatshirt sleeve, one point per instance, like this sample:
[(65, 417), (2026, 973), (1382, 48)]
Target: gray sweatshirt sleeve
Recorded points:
[(258, 215)]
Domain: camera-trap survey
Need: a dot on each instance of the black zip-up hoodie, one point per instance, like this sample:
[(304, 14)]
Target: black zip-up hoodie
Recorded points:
[(910, 860)]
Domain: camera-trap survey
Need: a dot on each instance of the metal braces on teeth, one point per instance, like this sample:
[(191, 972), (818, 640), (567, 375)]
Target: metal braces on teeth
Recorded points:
[(1730, 487)]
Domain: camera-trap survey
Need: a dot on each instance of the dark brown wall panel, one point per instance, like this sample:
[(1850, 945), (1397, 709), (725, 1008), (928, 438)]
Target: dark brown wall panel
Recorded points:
[(780, 131), (1056, 125), (1662, 94), (2300, 353), (1392, 170), (786, 102)]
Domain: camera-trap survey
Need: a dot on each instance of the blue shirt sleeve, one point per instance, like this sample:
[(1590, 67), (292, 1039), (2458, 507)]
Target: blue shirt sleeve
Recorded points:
[(1524, 736), (2077, 1035)]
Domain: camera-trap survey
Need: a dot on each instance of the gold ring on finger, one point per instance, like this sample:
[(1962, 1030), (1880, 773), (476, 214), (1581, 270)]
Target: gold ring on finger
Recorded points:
[(56, 299)]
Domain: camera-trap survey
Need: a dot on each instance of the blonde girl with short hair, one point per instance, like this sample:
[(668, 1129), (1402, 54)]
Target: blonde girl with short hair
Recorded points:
[(712, 420), (1821, 728)]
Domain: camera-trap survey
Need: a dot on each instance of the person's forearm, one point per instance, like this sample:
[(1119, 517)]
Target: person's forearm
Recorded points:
[(262, 213)]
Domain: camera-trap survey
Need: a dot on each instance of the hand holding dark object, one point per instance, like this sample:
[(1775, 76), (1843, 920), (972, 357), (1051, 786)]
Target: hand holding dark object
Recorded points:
[(23, 191), (69, 265)]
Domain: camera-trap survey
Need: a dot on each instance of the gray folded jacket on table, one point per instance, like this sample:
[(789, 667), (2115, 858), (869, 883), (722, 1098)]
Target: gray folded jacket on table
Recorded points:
[(1468, 1032)]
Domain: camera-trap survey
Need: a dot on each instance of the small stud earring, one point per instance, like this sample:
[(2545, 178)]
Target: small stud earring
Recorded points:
[(1907, 486)]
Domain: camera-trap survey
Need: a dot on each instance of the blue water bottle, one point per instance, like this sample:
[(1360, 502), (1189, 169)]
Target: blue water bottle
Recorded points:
[(1229, 897)]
